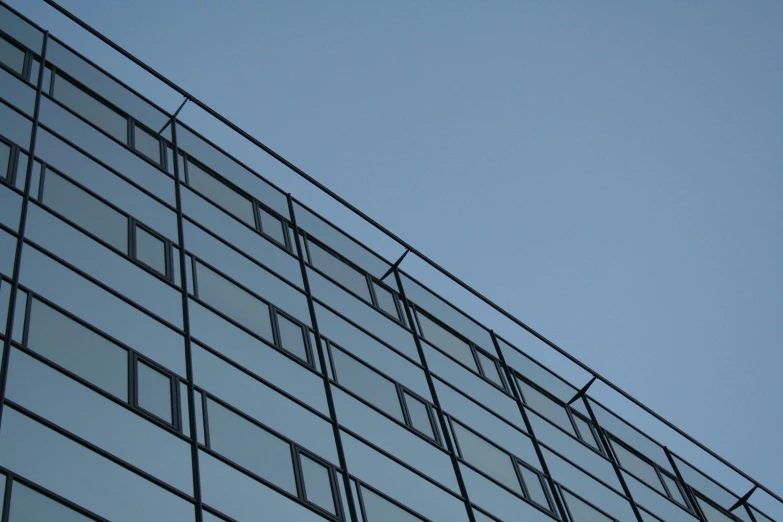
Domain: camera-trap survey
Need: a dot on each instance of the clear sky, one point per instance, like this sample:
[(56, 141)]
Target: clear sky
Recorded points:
[(609, 172)]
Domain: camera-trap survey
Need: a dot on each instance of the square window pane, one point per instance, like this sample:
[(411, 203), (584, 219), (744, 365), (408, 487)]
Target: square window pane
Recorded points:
[(147, 144), (5, 160), (221, 194), (386, 300), (490, 369), (419, 414), (318, 486), (28, 505), (11, 55), (272, 226), (292, 337), (150, 250), (78, 349), (154, 391), (535, 489)]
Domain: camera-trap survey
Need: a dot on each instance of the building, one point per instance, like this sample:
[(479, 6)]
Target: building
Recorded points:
[(184, 341)]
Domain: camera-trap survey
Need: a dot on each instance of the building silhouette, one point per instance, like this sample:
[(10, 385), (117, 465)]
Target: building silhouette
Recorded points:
[(184, 341)]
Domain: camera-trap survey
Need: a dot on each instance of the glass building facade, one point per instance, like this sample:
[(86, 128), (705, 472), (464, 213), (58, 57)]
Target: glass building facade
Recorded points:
[(183, 340)]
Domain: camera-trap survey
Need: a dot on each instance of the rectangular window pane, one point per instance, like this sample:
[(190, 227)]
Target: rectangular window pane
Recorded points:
[(339, 270), (250, 446), (641, 469), (318, 486), (86, 211), (420, 418), (674, 490), (5, 160), (272, 226), (154, 391), (292, 337), (233, 301), (27, 505), (220, 193), (490, 369), (385, 300), (447, 341), (91, 109), (583, 512), (147, 144), (381, 510), (78, 349), (546, 407), (586, 433), (486, 457), (535, 488), (367, 384), (150, 250), (11, 55)]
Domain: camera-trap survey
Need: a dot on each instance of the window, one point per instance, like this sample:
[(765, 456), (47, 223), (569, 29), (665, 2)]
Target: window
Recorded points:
[(150, 249), (28, 505), (490, 369), (154, 391), (221, 194), (386, 301), (146, 143), (272, 226), (91, 108), (378, 509), (419, 416), (546, 407), (447, 341), (535, 487), (12, 56), (339, 270), (292, 337), (486, 457), (586, 432), (5, 160), (318, 484)]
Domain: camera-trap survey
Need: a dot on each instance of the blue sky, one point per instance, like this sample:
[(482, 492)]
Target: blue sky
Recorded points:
[(611, 173)]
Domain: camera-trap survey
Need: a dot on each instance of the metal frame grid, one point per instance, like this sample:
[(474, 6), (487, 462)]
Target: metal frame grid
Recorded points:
[(572, 411)]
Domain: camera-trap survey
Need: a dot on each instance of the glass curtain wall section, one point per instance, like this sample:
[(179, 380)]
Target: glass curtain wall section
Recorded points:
[(183, 340)]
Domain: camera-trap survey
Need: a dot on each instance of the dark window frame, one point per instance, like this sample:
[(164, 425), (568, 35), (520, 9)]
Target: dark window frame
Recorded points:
[(301, 488), (133, 390), (278, 340)]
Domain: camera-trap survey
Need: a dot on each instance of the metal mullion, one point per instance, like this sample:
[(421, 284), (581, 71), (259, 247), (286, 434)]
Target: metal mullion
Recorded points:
[(322, 360), (689, 497), (613, 459), (431, 384), (9, 478), (194, 449), (20, 237), (528, 425)]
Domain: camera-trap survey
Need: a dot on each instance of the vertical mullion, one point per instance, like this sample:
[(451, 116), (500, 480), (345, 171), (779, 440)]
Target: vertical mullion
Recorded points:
[(186, 328), (439, 412), (20, 232), (528, 425), (322, 359), (615, 464)]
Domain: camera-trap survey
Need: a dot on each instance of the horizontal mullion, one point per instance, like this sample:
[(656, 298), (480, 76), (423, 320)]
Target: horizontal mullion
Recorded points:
[(15, 109), (98, 450), (103, 286)]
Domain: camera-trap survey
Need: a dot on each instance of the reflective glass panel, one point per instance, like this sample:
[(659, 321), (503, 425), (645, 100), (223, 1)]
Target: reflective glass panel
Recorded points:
[(154, 391), (91, 109), (78, 349), (223, 195), (147, 144), (486, 457), (318, 486), (12, 56), (85, 210), (637, 466), (674, 490), (233, 301), (367, 384), (150, 250), (27, 505), (420, 418), (339, 270), (546, 407), (535, 489), (582, 512), (586, 433), (381, 510), (385, 300), (292, 337), (490, 369), (272, 226), (5, 159), (447, 341), (250, 446)]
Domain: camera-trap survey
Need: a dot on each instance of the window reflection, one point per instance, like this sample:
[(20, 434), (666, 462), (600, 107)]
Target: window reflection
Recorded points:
[(28, 505)]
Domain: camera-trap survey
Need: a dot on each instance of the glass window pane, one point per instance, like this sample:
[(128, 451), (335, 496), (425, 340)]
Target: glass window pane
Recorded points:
[(91, 109), (147, 144), (85, 210), (420, 417), (220, 193), (490, 369), (641, 469), (586, 433), (250, 446), (318, 486), (154, 391), (367, 384), (12, 56), (381, 510), (486, 457), (535, 488), (5, 159), (78, 349), (583, 512), (233, 301), (546, 407), (292, 337), (447, 341), (150, 250), (385, 300), (340, 271), (674, 490), (272, 226), (27, 505)]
